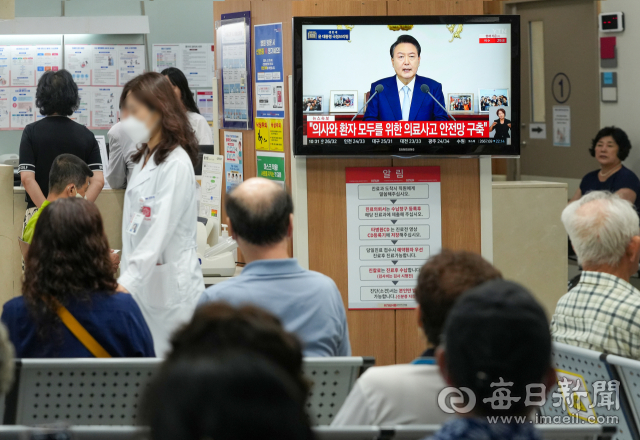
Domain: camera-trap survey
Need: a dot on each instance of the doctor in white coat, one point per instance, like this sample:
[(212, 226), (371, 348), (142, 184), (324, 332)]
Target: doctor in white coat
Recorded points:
[(159, 264)]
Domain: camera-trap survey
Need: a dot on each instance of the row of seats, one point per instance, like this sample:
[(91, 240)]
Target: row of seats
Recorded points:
[(106, 391), (574, 365), (407, 432)]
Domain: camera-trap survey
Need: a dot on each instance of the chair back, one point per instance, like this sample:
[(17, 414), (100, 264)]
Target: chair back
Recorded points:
[(331, 381), (78, 391), (580, 370), (628, 370)]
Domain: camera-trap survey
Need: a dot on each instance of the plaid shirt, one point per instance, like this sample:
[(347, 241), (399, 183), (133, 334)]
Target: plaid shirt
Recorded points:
[(601, 313)]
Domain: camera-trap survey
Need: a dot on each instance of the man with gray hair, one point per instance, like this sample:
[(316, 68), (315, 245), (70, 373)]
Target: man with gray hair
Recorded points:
[(260, 219), (602, 312)]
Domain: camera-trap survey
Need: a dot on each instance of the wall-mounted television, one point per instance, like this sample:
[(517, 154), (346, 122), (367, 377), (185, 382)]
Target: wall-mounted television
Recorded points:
[(407, 86)]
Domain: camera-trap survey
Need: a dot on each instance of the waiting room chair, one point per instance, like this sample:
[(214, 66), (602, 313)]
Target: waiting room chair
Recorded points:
[(628, 370), (331, 381)]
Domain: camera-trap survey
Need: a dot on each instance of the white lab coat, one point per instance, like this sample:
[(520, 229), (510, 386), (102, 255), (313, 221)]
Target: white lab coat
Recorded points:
[(201, 128), (159, 264)]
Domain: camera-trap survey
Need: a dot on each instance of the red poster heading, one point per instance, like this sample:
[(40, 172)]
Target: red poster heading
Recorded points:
[(492, 40), (397, 129), (392, 174)]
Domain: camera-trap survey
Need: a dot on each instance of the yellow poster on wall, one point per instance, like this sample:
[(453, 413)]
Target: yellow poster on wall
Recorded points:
[(276, 135), (262, 134)]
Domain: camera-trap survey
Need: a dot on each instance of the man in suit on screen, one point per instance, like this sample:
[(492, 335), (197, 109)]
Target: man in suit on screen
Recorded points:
[(402, 98)]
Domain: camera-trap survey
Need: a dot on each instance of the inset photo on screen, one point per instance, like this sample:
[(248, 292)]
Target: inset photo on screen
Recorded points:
[(500, 117)]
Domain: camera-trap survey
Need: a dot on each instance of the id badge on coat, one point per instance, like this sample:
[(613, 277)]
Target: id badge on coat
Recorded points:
[(136, 221)]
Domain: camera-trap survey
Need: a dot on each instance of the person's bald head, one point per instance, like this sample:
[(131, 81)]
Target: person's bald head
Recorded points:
[(259, 211)]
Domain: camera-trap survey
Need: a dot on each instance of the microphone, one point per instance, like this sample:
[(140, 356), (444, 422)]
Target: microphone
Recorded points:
[(425, 89), (379, 88)]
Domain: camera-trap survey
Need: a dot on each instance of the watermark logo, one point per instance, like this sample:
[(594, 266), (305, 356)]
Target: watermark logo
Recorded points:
[(452, 400)]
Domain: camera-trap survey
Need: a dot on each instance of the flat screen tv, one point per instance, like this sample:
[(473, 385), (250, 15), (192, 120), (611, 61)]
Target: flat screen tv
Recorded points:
[(407, 86)]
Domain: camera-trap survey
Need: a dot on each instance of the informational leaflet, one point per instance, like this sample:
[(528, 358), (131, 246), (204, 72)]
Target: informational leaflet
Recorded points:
[(165, 56), (5, 66), (82, 115), (276, 135), (393, 225), (271, 166), (104, 71), (105, 106), (269, 71), (234, 72), (78, 59), (23, 106), (5, 108), (195, 64), (102, 144), (261, 130), (211, 186), (204, 100), (234, 170), (23, 72), (130, 62), (561, 126), (48, 59)]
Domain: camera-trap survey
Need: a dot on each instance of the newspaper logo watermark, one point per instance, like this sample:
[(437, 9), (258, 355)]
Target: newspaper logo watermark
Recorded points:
[(571, 397)]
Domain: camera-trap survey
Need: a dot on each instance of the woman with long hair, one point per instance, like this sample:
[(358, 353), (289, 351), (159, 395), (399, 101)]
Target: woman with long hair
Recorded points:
[(199, 124), (68, 268), (159, 226)]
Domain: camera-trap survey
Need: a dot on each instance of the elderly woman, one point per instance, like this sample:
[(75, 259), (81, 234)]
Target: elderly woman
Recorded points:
[(610, 147)]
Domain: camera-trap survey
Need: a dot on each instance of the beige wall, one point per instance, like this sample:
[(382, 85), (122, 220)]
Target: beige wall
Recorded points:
[(12, 208), (529, 241)]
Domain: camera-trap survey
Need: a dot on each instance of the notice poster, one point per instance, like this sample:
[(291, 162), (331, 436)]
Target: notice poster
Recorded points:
[(561, 126), (233, 168), (262, 134), (204, 100), (5, 66), (195, 64), (48, 59), (23, 107), (271, 166), (164, 56), (235, 96), (105, 107), (104, 71), (77, 62), (276, 135), (5, 108), (130, 62), (393, 225), (269, 71), (23, 72), (211, 186), (82, 115)]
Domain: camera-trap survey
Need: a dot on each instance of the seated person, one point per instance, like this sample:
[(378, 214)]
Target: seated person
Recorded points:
[(234, 396), (610, 147), (260, 219), (68, 267), (408, 394), (402, 98), (219, 327), (599, 313), (496, 339), (69, 177)]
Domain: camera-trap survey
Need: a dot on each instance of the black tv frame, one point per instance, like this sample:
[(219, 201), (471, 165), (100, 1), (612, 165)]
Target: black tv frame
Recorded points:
[(370, 149)]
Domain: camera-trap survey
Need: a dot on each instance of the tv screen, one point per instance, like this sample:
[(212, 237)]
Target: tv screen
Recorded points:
[(407, 86)]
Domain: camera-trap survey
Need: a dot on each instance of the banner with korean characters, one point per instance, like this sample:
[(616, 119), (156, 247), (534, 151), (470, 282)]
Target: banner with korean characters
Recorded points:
[(393, 225)]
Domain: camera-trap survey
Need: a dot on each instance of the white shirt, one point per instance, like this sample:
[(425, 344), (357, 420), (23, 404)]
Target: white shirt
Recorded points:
[(159, 263), (401, 92), (394, 395), (121, 148), (201, 128)]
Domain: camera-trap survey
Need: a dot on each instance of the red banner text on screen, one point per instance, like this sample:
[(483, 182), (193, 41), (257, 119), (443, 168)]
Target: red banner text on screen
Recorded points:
[(397, 130)]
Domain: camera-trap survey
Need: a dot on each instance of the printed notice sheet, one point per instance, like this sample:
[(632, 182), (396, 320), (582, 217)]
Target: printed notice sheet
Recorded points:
[(23, 72), (211, 186), (77, 61), (23, 106), (233, 167), (393, 225)]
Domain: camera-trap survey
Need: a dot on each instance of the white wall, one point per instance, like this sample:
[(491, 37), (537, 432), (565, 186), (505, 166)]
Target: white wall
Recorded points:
[(624, 113), (462, 66)]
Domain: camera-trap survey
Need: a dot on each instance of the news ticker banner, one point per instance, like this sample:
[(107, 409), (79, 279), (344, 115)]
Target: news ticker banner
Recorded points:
[(322, 129), (393, 225)]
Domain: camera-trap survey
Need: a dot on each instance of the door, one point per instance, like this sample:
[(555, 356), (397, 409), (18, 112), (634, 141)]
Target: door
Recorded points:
[(560, 71)]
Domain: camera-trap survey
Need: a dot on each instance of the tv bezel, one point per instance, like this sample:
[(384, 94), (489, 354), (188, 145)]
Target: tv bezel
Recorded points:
[(385, 150)]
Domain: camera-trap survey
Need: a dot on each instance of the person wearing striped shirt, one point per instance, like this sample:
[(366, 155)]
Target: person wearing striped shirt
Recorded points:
[(602, 312)]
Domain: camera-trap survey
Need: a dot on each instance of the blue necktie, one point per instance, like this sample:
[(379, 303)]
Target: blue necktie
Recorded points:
[(406, 105)]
